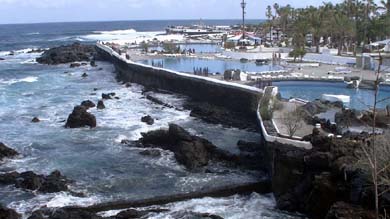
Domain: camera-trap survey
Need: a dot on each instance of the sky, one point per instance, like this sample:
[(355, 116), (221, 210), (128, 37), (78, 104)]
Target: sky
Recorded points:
[(38, 11)]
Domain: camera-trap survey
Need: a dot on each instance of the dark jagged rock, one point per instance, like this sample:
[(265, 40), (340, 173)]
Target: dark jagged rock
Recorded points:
[(80, 118), (6, 213), (84, 75), (219, 115), (2, 59), (108, 96), (158, 101), (148, 120), (128, 85), (6, 152), (52, 183), (67, 54), (195, 215), (93, 63), (74, 65), (151, 153), (63, 213), (35, 120), (191, 151), (88, 104), (101, 105), (36, 51), (131, 213), (342, 210)]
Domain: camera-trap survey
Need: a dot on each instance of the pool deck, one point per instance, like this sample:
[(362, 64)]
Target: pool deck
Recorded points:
[(323, 72)]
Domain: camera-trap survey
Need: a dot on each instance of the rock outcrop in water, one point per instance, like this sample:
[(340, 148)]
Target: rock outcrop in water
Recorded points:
[(148, 120), (67, 54), (191, 151), (88, 104), (80, 118), (6, 152), (52, 183), (100, 105), (6, 213)]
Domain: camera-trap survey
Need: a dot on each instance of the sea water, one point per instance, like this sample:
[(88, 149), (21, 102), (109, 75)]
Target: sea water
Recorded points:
[(101, 167)]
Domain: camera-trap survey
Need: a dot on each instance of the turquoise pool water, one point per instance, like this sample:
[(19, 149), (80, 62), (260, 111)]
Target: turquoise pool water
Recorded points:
[(310, 90), (214, 66)]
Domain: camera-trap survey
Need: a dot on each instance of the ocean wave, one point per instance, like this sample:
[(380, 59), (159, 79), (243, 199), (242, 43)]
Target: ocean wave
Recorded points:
[(33, 33), (117, 32), (16, 52), (55, 200), (29, 79)]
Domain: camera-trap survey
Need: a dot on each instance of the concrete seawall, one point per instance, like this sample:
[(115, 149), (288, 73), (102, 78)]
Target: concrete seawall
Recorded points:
[(235, 97)]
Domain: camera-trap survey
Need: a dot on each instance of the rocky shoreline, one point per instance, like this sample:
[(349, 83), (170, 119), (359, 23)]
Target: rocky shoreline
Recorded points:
[(320, 183)]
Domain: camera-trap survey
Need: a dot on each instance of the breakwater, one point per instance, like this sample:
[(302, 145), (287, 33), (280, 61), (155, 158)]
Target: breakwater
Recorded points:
[(235, 97)]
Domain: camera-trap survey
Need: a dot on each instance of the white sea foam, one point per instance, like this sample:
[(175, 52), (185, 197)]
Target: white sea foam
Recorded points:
[(254, 206), (33, 33), (55, 200), (29, 79), (117, 32), (129, 36)]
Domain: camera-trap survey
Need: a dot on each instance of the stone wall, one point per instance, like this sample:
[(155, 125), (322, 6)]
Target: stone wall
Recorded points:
[(236, 97)]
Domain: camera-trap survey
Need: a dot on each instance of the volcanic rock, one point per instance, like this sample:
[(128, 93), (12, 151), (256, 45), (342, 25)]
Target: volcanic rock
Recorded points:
[(35, 120), (84, 75), (74, 65), (6, 213), (191, 151), (52, 183), (80, 118), (67, 54), (6, 152), (88, 104), (148, 120), (101, 105)]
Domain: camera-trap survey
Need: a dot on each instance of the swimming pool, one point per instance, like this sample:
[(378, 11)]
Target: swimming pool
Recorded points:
[(185, 64), (311, 90)]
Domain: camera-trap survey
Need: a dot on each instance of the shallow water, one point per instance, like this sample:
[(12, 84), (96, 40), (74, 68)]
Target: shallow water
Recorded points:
[(101, 167)]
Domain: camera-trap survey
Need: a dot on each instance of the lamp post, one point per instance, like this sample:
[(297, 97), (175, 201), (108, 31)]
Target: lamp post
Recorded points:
[(243, 6)]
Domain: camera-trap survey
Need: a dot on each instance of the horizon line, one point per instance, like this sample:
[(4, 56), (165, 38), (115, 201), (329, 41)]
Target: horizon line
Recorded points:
[(98, 21)]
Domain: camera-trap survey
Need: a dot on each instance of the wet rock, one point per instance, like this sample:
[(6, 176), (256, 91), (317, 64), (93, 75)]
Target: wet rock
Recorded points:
[(148, 120), (35, 120), (219, 115), (80, 118), (6, 213), (84, 64), (52, 183), (74, 65), (195, 215), (93, 63), (108, 96), (101, 105), (88, 104), (2, 59), (131, 213), (84, 75), (342, 210), (126, 142), (158, 101), (128, 85), (67, 54), (191, 151), (151, 153), (64, 213), (6, 152)]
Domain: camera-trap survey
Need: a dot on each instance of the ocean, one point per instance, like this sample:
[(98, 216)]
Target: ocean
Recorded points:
[(101, 167)]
